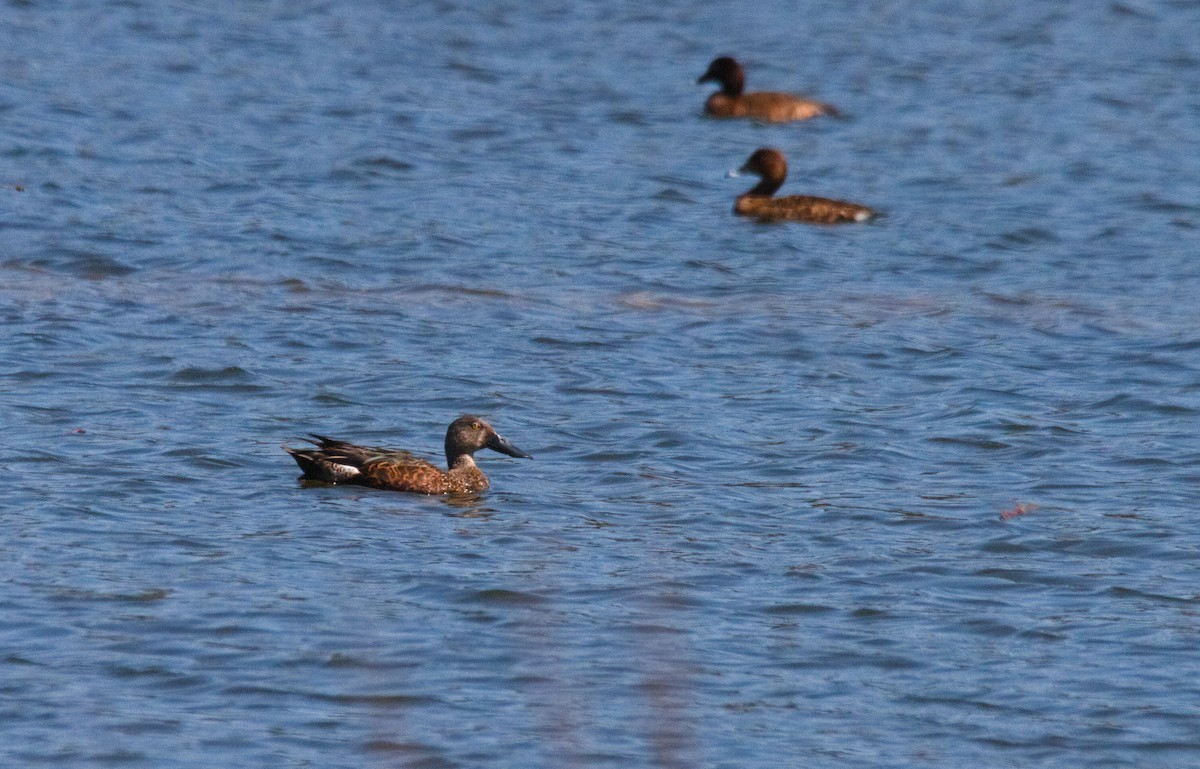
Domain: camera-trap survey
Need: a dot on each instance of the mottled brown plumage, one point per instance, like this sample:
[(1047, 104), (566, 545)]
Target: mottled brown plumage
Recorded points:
[(771, 167), (767, 106), (336, 461)]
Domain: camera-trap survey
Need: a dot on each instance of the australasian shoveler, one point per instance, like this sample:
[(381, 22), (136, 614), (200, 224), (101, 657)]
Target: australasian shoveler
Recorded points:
[(767, 106), (336, 461), (771, 167)]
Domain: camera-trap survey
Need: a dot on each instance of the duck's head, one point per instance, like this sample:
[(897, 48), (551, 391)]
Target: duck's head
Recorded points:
[(769, 165), (469, 434), (726, 71)]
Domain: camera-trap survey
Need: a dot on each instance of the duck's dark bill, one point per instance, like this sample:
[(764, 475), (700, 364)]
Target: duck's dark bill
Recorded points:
[(496, 443)]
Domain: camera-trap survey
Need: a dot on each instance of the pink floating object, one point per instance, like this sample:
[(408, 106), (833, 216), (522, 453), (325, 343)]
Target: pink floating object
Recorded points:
[(1021, 509)]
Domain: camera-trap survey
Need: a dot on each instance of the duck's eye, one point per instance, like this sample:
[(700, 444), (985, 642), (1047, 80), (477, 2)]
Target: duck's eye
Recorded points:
[(474, 425)]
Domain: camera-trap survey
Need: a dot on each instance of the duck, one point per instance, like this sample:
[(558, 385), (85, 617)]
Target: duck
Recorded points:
[(763, 105), (339, 462), (771, 167)]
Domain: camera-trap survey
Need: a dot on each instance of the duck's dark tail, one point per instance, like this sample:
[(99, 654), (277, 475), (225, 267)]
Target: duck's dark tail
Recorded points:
[(309, 461)]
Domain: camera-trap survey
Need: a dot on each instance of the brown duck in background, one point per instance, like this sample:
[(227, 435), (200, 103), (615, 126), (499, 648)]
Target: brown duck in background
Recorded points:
[(763, 105), (396, 470), (771, 167)]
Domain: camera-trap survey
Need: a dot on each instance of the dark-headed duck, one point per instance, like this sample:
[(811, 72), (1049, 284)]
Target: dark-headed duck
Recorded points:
[(340, 462), (766, 106), (771, 167)]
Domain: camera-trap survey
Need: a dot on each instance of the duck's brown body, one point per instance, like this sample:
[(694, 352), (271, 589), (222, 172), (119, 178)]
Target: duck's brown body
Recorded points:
[(801, 208), (335, 461), (732, 101), (765, 106), (759, 203)]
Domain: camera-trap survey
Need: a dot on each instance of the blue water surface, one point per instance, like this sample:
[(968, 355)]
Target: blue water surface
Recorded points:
[(772, 519)]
